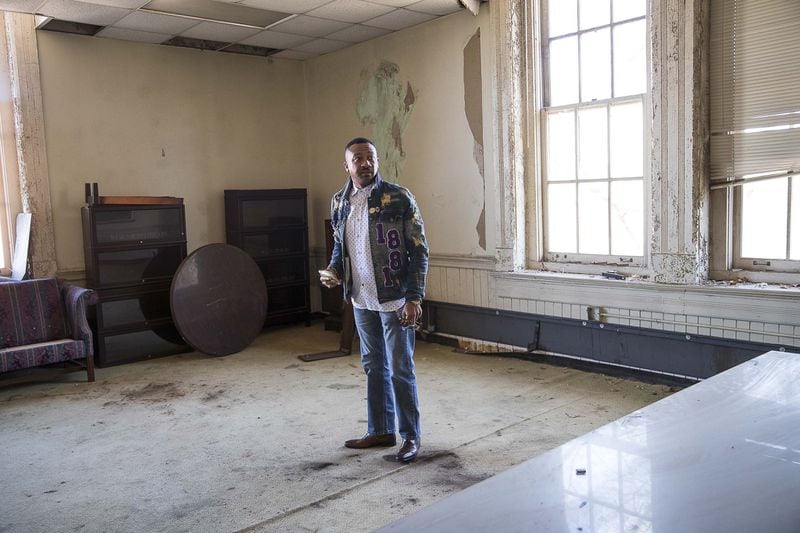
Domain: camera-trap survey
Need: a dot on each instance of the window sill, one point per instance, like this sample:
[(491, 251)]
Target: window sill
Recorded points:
[(737, 277), (637, 282)]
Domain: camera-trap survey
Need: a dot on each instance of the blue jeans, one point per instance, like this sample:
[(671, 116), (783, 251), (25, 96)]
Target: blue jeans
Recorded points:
[(387, 355)]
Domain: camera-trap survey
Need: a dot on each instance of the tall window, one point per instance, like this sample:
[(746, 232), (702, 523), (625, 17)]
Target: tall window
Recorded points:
[(595, 82), (755, 130), (9, 175)]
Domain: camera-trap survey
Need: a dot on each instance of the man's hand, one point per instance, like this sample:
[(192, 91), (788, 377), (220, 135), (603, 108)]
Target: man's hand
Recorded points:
[(411, 314), (329, 278)]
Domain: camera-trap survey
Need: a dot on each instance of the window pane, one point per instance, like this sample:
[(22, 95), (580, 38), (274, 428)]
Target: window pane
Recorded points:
[(564, 71), (627, 218), (592, 143), (594, 13), (595, 65), (630, 63), (561, 218), (562, 17), (764, 219), (794, 232), (628, 9), (627, 140), (561, 146), (593, 218)]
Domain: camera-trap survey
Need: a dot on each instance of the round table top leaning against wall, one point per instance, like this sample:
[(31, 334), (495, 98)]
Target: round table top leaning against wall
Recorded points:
[(218, 299)]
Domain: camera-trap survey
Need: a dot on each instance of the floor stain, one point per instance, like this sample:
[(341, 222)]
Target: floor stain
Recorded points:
[(342, 386), (453, 475), (210, 396), (153, 393), (317, 466)]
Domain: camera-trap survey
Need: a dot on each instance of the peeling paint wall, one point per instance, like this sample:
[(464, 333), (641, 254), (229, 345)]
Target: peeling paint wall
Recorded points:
[(31, 159), (473, 108), (679, 249), (408, 92), (385, 104)]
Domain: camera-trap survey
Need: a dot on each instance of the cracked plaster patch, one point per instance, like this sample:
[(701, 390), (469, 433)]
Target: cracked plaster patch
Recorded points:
[(386, 104)]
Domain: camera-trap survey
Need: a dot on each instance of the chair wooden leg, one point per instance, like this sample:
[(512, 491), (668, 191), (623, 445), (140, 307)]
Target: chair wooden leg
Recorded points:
[(90, 368)]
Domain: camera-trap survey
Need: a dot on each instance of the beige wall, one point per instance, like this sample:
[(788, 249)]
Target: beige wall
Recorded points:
[(143, 119), (440, 167)]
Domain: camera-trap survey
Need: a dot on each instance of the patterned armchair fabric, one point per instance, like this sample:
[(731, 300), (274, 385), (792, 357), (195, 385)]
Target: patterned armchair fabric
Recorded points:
[(43, 322)]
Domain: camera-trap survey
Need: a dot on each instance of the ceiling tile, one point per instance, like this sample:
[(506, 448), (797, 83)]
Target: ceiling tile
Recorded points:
[(82, 12), (399, 19), (275, 39), (358, 33), (394, 3), (156, 22), (214, 31), (286, 6), (293, 54), (216, 11), (127, 4), (350, 10), (322, 46), (311, 26), (436, 7), (20, 6), (132, 35), (314, 27)]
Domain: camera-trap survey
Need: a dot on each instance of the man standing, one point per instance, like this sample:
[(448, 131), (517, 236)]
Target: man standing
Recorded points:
[(381, 255)]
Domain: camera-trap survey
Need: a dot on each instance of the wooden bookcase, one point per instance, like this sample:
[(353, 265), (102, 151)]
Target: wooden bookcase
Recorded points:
[(271, 225), (131, 254)]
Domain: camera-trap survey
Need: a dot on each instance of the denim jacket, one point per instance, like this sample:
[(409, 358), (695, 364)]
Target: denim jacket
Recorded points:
[(397, 241)]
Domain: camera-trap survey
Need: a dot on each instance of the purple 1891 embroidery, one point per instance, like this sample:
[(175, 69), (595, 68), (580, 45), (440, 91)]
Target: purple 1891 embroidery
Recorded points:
[(379, 233), (392, 240)]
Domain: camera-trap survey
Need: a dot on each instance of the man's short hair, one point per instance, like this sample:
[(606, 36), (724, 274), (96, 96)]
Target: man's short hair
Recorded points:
[(360, 140)]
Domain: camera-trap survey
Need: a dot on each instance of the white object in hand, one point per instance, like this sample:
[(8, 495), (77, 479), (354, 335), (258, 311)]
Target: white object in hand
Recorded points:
[(328, 278)]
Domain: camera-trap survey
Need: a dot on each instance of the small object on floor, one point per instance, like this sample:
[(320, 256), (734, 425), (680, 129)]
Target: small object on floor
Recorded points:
[(371, 441), (408, 451), (580, 471), (345, 339), (613, 274), (323, 355)]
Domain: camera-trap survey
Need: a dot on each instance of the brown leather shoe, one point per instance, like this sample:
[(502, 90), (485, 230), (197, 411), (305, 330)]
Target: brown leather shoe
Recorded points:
[(408, 451), (370, 441)]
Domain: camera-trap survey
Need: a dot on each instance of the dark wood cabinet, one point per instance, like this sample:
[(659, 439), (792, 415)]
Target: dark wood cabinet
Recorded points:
[(271, 225), (131, 254)]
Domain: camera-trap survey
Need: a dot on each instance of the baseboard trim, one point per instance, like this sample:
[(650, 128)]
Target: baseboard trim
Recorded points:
[(678, 355)]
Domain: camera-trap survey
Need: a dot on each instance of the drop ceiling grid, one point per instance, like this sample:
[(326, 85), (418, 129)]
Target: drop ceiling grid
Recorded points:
[(313, 27)]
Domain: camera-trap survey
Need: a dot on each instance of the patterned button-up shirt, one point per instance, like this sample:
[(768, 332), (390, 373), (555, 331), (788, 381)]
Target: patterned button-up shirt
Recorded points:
[(365, 292)]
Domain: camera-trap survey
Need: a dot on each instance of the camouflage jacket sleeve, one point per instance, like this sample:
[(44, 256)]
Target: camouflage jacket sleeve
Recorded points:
[(417, 249)]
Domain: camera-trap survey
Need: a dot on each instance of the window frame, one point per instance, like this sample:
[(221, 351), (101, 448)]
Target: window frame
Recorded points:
[(10, 197), (538, 256), (727, 206), (760, 264)]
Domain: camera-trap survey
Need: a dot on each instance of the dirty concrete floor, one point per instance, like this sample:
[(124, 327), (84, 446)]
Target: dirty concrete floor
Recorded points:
[(253, 441)]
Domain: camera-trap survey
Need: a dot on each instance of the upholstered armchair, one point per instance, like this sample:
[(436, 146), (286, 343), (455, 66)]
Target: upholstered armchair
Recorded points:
[(42, 322)]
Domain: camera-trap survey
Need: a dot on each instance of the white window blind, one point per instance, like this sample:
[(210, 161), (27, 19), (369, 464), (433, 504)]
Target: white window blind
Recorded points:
[(755, 90)]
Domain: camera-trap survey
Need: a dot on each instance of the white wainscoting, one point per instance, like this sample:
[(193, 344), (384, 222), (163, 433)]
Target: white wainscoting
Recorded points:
[(765, 315)]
